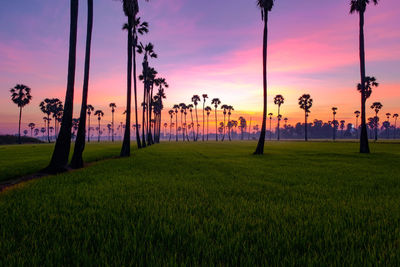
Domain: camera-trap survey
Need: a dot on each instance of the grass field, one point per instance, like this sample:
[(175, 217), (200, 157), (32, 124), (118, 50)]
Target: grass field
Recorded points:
[(209, 204)]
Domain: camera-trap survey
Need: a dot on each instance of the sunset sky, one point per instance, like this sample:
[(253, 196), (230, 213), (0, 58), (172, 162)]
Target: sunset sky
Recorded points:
[(207, 46)]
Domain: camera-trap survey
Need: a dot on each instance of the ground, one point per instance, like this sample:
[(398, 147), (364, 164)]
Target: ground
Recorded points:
[(317, 203)]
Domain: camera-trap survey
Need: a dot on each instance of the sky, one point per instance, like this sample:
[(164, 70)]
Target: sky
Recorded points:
[(208, 46)]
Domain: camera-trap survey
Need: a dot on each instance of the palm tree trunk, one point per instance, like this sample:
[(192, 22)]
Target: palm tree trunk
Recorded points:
[(204, 102), (207, 126), (223, 137), (229, 127), (305, 127), (216, 125), (279, 123), (48, 128), (112, 127), (364, 147), (139, 144), (261, 141), (88, 137), (98, 133), (197, 124), (176, 127), (150, 140), (126, 145), (270, 128), (19, 125), (77, 160), (194, 137), (60, 155), (183, 131)]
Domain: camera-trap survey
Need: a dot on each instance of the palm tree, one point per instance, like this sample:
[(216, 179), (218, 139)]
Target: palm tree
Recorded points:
[(224, 107), (243, 125), (270, 125), (216, 102), (230, 109), (140, 28), (176, 107), (113, 106), (395, 116), (31, 126), (342, 125), (279, 100), (190, 107), (182, 107), (205, 96), (99, 114), (208, 110), (195, 100), (334, 122), (171, 114), (376, 106), (89, 110), (21, 96), (357, 113), (305, 103), (77, 160), (360, 6), (57, 112), (388, 124), (59, 159), (46, 106), (36, 131), (265, 6)]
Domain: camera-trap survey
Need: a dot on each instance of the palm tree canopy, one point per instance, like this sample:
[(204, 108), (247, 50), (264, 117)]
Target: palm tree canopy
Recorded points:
[(208, 109), (21, 95), (305, 102), (369, 83), (113, 105), (90, 108), (205, 96), (395, 115), (215, 102), (360, 5), (99, 113), (265, 6), (279, 100), (376, 106), (195, 99)]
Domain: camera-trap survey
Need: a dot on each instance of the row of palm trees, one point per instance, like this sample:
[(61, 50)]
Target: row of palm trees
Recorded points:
[(366, 82)]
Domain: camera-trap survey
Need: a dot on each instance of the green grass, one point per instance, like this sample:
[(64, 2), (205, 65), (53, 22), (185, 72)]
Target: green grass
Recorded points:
[(212, 204), (19, 160)]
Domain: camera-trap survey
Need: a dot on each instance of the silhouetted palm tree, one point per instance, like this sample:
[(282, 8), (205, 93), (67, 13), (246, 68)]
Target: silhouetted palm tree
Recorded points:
[(357, 113), (113, 106), (182, 107), (59, 159), (305, 103), (265, 6), (376, 106), (99, 114), (270, 125), (36, 131), (395, 116), (205, 96), (230, 109), (89, 109), (216, 102), (21, 96), (77, 160), (334, 122), (208, 110), (190, 107), (31, 126), (195, 100), (279, 100), (224, 107), (57, 112), (171, 114), (176, 108), (47, 107), (360, 6), (388, 120), (242, 126)]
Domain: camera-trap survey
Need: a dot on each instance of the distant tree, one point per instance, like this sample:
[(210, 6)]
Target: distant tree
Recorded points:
[(205, 96), (21, 96), (395, 116), (47, 107), (171, 114), (242, 126), (36, 131), (31, 126), (99, 114), (182, 107), (25, 132), (334, 122), (216, 103), (109, 128), (270, 125), (230, 109), (266, 7), (342, 126), (190, 107), (224, 108), (113, 106), (43, 130), (357, 113), (279, 100), (196, 99), (208, 110), (176, 108), (90, 109), (376, 106), (305, 103)]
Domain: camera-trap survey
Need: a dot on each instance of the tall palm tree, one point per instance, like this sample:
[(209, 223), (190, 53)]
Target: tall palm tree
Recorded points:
[(279, 100), (195, 100), (395, 116), (46, 106), (376, 106), (360, 6), (266, 7), (208, 110), (21, 96), (205, 96), (224, 108), (77, 160), (57, 112), (59, 159), (176, 107), (182, 107), (270, 124), (89, 110), (190, 107), (171, 114), (305, 103), (99, 114), (388, 124), (141, 28), (357, 113), (216, 102), (334, 122), (230, 109), (31, 126), (113, 106)]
